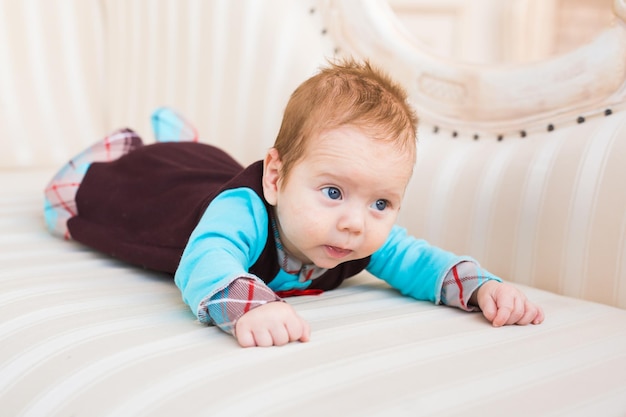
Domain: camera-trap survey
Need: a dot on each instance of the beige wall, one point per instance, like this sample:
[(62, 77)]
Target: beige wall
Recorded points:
[(73, 70)]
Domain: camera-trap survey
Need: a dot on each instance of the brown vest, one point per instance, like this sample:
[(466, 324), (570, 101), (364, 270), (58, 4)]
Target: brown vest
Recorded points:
[(143, 207)]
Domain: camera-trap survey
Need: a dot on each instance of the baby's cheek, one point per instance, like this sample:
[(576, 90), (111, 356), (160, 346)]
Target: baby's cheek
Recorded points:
[(380, 235), (313, 220), (374, 242), (301, 217)]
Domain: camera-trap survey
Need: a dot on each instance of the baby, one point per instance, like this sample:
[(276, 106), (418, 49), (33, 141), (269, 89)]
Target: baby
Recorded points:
[(320, 208)]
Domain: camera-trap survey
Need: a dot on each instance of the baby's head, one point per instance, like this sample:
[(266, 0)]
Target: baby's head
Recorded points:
[(340, 165), (346, 93)]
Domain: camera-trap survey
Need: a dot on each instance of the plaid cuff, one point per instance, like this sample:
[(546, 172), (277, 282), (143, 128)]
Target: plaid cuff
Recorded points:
[(60, 193), (225, 307), (460, 283)]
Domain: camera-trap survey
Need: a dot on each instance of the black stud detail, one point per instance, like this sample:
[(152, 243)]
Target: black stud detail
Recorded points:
[(550, 127), (436, 129), (324, 31), (454, 134), (608, 112), (522, 133), (580, 120), (500, 137), (475, 136)]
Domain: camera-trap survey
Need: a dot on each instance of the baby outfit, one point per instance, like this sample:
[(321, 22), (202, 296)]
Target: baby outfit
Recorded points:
[(189, 209)]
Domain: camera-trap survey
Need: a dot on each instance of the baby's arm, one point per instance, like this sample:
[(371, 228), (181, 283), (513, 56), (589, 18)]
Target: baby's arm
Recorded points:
[(413, 267), (504, 304), (214, 278), (249, 310)]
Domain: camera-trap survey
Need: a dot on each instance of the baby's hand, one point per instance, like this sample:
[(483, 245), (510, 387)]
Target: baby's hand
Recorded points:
[(272, 324), (503, 304)]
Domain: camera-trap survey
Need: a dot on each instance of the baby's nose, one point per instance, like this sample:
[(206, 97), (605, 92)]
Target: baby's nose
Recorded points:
[(352, 221)]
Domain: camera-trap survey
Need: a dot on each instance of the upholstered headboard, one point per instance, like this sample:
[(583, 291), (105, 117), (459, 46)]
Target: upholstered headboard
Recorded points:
[(520, 166)]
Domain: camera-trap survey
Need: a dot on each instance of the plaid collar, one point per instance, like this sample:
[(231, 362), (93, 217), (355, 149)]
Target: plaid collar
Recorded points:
[(292, 265)]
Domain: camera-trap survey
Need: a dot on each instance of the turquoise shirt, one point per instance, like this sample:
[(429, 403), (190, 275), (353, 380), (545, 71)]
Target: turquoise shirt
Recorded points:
[(233, 231)]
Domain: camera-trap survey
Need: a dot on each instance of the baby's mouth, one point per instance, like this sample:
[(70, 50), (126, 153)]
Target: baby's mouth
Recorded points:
[(337, 252)]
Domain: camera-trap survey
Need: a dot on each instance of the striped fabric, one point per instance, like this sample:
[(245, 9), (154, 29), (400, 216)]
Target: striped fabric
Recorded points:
[(81, 334), (546, 210), (229, 66), (73, 70), (84, 335), (520, 167), (52, 80)]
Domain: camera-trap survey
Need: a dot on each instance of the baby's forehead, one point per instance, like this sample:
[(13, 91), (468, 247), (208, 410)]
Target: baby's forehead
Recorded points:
[(351, 152), (346, 136)]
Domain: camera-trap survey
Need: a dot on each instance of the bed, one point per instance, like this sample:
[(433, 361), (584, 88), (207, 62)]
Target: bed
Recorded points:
[(84, 335)]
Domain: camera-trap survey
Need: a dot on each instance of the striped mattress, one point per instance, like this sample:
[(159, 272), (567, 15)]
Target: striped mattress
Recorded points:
[(84, 335)]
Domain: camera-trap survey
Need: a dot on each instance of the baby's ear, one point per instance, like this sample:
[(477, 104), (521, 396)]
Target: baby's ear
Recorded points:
[(271, 175)]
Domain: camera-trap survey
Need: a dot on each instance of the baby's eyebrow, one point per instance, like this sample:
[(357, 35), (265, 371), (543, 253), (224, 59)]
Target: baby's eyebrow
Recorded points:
[(394, 198), (329, 176)]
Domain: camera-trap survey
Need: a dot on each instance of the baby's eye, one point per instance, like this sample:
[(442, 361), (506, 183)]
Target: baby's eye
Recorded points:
[(332, 192), (380, 205)]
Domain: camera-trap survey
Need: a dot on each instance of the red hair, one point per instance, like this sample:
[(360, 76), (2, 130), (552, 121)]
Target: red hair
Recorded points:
[(346, 93)]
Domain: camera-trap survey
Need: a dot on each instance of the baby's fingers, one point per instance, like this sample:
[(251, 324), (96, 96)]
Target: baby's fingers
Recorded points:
[(298, 330), (530, 312), (538, 316), (507, 311), (502, 316), (245, 338), (263, 337), (489, 308), (306, 332), (523, 312)]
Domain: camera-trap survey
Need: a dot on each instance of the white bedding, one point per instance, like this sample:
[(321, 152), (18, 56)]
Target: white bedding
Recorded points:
[(83, 335)]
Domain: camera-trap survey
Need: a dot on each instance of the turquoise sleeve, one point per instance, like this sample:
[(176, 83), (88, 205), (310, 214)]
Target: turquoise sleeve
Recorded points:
[(227, 241), (413, 266)]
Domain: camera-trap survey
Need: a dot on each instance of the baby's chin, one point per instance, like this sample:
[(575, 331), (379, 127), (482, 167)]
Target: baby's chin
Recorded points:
[(330, 263), (322, 263), (327, 265)]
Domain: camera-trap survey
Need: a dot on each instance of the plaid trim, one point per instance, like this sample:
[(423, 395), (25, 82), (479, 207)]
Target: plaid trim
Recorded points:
[(169, 126), (60, 193), (292, 265), (460, 283), (225, 307)]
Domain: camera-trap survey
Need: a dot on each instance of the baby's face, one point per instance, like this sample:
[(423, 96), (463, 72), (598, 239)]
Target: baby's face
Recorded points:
[(342, 198)]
